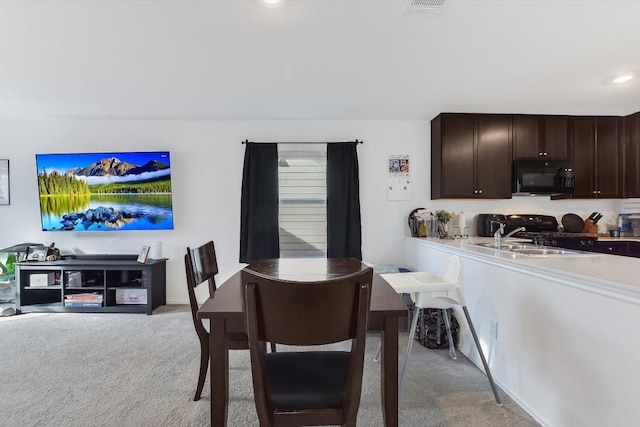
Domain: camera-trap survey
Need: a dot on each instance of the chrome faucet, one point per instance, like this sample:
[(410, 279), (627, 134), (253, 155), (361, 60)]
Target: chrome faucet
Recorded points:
[(499, 238)]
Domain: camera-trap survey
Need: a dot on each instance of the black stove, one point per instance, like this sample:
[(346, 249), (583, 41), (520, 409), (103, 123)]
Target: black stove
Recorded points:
[(543, 230), (560, 239)]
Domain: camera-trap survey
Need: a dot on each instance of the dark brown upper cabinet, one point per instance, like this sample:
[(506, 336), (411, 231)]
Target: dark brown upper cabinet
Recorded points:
[(471, 156), (632, 155), (596, 151), (536, 137)]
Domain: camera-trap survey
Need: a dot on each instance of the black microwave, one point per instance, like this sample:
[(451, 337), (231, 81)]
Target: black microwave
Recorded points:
[(531, 177)]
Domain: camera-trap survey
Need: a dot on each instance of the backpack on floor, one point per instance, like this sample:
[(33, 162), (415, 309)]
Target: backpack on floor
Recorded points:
[(435, 329)]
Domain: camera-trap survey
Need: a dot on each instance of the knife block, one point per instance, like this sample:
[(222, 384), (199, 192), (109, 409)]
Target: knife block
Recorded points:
[(590, 227)]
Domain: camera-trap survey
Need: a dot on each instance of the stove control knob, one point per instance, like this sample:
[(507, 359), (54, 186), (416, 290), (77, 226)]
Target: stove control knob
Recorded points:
[(554, 243), (583, 243)]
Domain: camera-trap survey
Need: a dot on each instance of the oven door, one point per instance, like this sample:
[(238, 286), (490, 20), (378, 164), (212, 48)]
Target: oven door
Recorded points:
[(532, 177)]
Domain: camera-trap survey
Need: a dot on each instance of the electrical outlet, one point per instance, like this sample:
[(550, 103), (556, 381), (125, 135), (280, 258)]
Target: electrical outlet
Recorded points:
[(494, 328)]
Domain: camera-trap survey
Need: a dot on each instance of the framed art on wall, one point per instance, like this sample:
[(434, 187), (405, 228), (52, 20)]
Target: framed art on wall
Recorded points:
[(4, 182)]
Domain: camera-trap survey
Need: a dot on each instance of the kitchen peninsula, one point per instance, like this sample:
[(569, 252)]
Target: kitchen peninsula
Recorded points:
[(558, 331)]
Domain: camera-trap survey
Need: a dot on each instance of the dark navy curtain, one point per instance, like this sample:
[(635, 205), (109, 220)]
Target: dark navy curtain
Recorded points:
[(259, 236), (344, 238)]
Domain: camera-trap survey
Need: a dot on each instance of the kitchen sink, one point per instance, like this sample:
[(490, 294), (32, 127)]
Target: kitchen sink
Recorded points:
[(546, 251), (507, 246), (530, 249)]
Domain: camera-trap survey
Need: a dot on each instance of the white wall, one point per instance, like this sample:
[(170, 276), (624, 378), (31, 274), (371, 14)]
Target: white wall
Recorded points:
[(206, 159)]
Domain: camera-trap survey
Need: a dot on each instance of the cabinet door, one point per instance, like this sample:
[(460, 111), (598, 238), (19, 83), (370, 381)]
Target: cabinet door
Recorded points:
[(612, 248), (608, 158), (632, 156), (633, 249), (493, 156), (526, 137), (583, 155), (555, 137), (457, 155)]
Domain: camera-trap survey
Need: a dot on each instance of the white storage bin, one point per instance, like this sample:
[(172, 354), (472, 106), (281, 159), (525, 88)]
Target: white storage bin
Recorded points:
[(131, 296)]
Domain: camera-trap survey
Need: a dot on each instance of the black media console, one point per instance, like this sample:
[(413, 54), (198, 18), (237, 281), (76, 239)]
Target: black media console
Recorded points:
[(91, 284)]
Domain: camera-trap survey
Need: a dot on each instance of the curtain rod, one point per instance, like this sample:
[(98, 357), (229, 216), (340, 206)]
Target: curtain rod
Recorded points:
[(246, 141)]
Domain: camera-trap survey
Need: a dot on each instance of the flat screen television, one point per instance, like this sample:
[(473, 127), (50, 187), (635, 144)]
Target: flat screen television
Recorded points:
[(105, 191)]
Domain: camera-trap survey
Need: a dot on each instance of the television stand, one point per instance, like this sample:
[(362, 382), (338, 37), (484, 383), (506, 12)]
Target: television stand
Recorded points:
[(91, 284)]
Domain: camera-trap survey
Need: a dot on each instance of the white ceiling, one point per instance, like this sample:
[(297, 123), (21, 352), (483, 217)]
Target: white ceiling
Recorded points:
[(315, 59)]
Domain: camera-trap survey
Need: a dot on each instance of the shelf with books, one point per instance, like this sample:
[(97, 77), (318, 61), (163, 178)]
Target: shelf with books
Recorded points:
[(112, 284), (82, 304), (93, 299)]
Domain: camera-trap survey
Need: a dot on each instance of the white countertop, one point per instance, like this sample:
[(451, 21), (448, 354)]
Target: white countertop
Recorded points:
[(617, 276)]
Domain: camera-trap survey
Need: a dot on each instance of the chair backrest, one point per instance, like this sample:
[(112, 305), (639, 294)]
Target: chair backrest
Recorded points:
[(451, 270), (303, 314), (445, 289), (200, 266)]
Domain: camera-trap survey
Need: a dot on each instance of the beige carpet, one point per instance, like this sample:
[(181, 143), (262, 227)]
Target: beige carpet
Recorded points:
[(139, 370)]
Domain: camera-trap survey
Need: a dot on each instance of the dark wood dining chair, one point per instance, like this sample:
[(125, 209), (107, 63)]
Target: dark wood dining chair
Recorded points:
[(201, 266), (312, 387)]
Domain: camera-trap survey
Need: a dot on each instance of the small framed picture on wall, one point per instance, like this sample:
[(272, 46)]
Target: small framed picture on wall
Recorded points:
[(4, 182)]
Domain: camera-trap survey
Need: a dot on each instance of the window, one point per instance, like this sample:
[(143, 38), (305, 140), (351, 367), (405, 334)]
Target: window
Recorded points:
[(302, 203)]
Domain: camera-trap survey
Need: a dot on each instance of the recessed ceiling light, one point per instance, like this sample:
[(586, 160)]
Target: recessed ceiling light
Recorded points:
[(622, 79), (271, 1)]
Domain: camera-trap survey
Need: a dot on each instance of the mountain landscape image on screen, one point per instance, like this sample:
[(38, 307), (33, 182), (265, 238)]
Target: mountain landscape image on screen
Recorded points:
[(105, 191)]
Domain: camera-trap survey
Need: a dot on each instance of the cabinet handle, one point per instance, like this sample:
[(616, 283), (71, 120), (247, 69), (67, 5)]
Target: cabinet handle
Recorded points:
[(479, 191), (540, 154), (545, 153), (595, 192)]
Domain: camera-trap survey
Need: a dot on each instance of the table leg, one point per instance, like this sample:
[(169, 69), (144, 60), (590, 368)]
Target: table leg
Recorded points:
[(389, 372), (219, 372)]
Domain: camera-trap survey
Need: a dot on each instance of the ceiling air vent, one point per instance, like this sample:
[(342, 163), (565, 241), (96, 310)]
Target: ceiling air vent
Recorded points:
[(422, 6)]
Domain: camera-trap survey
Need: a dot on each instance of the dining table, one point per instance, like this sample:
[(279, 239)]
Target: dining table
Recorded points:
[(225, 311)]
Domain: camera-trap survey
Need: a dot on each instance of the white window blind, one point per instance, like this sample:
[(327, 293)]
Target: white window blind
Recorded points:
[(303, 203)]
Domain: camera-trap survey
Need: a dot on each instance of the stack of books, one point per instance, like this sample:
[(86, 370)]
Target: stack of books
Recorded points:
[(92, 299)]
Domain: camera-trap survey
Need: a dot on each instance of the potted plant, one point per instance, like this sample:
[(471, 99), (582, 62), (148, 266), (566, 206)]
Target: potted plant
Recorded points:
[(443, 218)]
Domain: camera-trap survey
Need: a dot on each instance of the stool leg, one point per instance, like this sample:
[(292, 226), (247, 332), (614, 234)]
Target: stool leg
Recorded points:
[(484, 361), (414, 324), (447, 322)]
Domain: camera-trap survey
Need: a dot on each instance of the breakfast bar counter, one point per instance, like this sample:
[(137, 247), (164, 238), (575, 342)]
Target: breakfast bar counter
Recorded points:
[(559, 331), (612, 275)]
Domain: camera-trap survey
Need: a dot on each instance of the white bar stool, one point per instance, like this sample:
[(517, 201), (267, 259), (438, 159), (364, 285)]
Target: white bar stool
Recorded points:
[(441, 291)]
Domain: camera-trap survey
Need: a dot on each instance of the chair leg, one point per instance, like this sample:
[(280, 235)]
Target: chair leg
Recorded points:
[(484, 361), (273, 347), (423, 331), (204, 365), (412, 332), (447, 323), (376, 358), (439, 327)]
